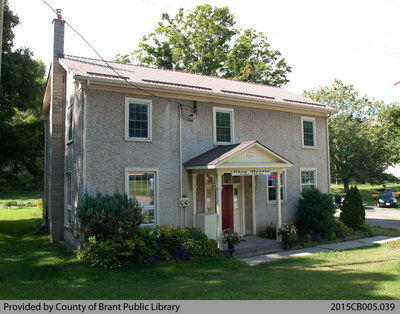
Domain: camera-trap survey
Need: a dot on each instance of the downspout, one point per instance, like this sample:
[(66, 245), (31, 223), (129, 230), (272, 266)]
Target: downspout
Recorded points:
[(180, 162), (328, 155), (84, 134)]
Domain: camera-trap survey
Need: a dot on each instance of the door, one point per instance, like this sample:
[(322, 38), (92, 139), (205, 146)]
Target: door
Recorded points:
[(227, 207)]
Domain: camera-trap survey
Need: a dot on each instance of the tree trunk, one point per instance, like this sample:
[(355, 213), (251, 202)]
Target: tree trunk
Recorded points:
[(346, 185)]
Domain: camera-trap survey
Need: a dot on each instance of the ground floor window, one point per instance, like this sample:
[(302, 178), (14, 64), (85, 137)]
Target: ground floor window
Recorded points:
[(308, 179), (141, 185), (68, 199), (271, 186)]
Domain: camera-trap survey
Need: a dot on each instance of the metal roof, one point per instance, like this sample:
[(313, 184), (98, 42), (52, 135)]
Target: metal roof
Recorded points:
[(221, 153), (119, 73)]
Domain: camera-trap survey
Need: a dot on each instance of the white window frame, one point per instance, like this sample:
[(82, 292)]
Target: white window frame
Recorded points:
[(156, 185), (225, 110), (68, 207), (308, 170), (140, 101), (284, 185), (308, 119)]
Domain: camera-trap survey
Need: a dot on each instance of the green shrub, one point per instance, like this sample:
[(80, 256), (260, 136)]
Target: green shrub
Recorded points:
[(353, 211), (341, 229), (366, 229), (269, 232), (109, 215), (210, 247), (102, 254), (315, 212)]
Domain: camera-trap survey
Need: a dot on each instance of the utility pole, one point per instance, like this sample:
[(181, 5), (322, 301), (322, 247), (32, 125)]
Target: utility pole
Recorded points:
[(1, 32)]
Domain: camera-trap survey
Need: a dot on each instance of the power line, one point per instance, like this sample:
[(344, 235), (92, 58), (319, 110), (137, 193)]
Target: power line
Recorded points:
[(190, 117)]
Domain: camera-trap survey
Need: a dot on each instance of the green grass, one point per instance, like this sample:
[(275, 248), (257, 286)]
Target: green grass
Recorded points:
[(365, 190), (33, 268)]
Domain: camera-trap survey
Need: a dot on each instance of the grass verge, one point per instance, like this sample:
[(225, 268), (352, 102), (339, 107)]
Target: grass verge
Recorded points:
[(33, 268)]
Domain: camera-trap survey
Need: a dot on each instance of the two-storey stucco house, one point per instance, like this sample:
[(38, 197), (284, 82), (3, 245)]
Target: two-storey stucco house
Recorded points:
[(194, 150)]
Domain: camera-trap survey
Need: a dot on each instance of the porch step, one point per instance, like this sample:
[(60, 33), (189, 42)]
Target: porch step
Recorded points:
[(253, 245)]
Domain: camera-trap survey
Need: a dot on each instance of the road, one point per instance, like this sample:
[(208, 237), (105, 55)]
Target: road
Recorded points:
[(377, 216)]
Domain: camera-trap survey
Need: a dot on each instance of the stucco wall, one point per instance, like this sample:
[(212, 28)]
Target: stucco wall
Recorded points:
[(108, 154), (74, 149)]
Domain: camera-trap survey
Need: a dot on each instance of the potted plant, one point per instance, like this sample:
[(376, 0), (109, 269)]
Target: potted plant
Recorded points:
[(289, 234), (231, 238)]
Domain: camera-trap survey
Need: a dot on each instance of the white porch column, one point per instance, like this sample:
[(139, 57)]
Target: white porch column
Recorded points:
[(194, 193), (253, 202), (279, 205), (218, 185)]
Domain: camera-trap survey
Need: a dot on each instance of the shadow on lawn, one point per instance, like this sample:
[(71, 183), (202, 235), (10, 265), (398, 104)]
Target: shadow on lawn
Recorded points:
[(33, 268)]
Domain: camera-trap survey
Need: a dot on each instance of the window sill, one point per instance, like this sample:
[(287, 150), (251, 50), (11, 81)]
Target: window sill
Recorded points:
[(70, 142), (274, 202), (309, 147), (128, 139), (222, 143)]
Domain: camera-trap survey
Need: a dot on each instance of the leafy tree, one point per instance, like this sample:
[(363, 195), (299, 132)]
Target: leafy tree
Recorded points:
[(21, 132), (353, 211), (251, 60), (358, 148), (205, 41)]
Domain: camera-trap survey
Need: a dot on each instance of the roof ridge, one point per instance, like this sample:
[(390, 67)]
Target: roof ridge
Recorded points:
[(176, 71)]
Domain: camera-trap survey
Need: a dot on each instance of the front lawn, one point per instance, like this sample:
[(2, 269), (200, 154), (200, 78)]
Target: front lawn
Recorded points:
[(365, 190), (33, 268)]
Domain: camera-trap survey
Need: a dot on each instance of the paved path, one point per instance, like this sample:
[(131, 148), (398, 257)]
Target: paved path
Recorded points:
[(338, 246)]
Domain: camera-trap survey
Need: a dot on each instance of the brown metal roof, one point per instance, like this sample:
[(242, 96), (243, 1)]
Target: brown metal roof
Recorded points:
[(147, 76)]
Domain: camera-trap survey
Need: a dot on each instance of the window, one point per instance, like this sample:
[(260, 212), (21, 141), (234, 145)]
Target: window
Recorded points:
[(308, 130), (223, 126), (308, 179), (68, 199), (210, 192), (271, 187), (142, 186), (70, 135), (138, 119)]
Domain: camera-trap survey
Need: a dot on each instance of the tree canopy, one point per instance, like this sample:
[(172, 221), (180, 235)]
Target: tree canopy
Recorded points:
[(21, 132), (206, 41), (360, 148)]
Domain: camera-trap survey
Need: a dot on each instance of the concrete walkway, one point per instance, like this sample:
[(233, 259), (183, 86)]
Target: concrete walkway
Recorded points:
[(338, 246)]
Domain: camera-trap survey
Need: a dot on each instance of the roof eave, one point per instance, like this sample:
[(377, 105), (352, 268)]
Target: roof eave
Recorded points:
[(211, 95)]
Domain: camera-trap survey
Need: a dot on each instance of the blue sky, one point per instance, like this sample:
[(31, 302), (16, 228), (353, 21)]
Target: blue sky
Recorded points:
[(356, 41)]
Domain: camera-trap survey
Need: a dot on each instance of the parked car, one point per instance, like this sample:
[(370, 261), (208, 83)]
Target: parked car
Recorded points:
[(377, 192), (386, 199)]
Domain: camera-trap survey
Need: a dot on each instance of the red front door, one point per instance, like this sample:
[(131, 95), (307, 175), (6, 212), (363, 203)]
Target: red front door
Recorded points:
[(227, 207)]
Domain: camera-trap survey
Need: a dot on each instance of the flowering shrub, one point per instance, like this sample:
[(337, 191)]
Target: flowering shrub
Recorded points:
[(288, 232), (230, 236)]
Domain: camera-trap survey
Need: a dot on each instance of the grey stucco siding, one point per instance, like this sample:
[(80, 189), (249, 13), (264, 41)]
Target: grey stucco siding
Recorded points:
[(109, 154)]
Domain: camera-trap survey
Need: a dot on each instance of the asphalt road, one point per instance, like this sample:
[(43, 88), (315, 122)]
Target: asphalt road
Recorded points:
[(378, 216)]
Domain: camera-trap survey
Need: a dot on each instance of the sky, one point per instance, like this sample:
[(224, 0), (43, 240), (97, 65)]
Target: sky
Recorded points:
[(355, 41)]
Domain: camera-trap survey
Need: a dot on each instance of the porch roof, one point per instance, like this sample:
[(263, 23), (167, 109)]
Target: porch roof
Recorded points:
[(250, 154)]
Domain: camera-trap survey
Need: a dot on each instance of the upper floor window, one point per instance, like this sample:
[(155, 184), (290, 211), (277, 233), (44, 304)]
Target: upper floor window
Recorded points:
[(138, 119), (223, 126), (308, 131)]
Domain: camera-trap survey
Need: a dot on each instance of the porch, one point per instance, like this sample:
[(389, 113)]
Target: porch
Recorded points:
[(252, 245), (229, 189)]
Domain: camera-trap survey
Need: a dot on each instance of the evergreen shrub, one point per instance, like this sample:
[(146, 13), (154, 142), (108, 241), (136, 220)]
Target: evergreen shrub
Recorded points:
[(315, 212), (353, 211), (109, 215)]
